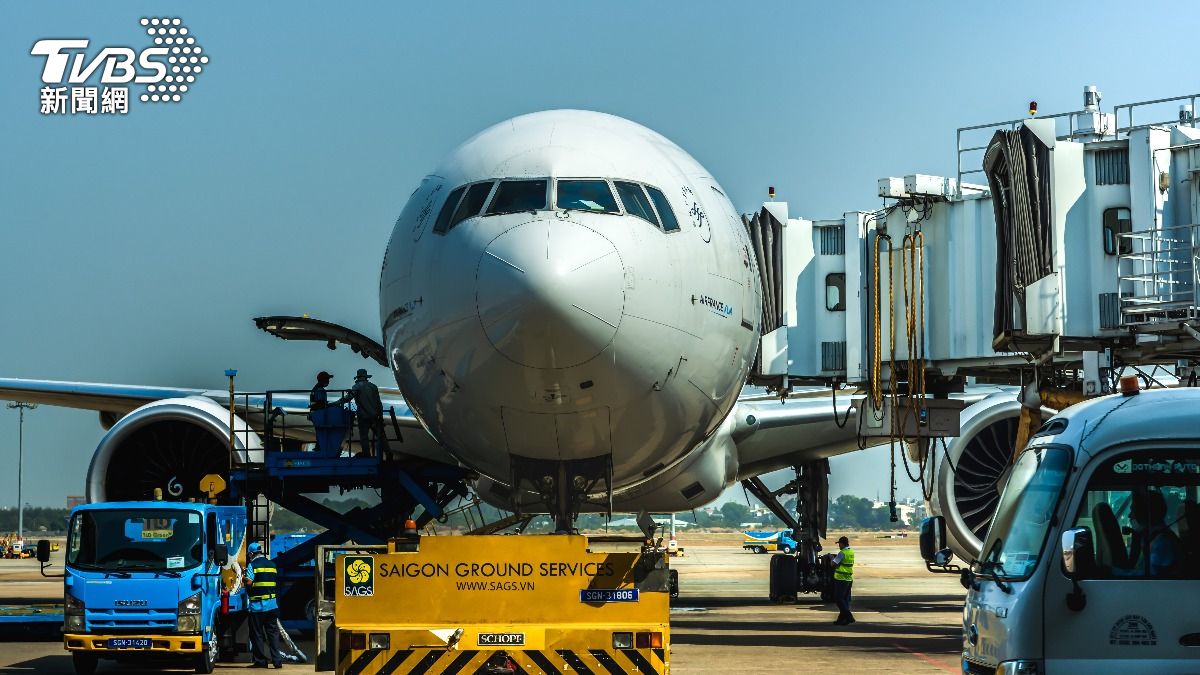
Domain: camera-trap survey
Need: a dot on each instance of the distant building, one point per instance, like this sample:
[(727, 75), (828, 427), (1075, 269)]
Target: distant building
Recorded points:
[(75, 500)]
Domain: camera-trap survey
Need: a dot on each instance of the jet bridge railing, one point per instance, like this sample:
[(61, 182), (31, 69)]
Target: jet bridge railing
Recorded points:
[(1010, 125), (1158, 278), (1182, 118)]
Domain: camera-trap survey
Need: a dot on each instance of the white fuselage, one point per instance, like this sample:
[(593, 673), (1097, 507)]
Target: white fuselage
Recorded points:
[(569, 334)]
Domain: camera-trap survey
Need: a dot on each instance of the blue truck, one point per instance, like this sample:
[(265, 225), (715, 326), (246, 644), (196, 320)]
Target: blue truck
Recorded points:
[(776, 540), (152, 581)]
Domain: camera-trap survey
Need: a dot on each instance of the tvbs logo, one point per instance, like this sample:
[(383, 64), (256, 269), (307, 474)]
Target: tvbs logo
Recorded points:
[(167, 69)]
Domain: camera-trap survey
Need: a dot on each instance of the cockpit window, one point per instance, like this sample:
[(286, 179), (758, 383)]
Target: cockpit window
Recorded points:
[(471, 203), (514, 196), (586, 195), (669, 224), (635, 201), (443, 219)]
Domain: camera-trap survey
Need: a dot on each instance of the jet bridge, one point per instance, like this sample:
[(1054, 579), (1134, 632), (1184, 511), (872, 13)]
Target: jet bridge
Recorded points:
[(1083, 240), (1073, 254)]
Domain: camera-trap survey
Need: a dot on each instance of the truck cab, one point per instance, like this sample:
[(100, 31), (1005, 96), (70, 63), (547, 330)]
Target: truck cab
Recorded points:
[(151, 581), (1094, 545)]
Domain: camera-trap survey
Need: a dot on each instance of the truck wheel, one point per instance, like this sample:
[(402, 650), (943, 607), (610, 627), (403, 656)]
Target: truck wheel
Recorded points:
[(206, 661), (788, 549), (85, 664), (759, 549)]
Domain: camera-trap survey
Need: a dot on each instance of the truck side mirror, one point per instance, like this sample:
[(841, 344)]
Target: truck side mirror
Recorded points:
[(221, 555), (933, 539), (43, 551), (1079, 556)]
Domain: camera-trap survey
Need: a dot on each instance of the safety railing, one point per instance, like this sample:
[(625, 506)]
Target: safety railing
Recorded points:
[(1187, 119), (287, 424), (1158, 275)]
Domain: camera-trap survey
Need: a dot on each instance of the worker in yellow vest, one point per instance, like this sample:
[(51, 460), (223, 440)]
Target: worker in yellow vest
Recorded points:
[(843, 580)]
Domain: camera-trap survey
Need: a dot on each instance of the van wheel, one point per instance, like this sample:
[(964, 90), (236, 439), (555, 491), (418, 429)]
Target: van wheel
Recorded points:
[(85, 664), (206, 661)]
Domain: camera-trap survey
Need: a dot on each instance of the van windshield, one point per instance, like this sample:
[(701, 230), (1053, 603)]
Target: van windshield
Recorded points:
[(130, 540), (1017, 535)]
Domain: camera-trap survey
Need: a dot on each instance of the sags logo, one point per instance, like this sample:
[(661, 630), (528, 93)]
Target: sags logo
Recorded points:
[(359, 573), (168, 69)]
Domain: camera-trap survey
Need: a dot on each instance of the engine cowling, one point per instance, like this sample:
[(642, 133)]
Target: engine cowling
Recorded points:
[(967, 494), (169, 444)]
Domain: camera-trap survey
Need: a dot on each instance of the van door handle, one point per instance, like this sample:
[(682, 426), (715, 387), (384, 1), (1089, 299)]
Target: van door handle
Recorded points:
[(1190, 640)]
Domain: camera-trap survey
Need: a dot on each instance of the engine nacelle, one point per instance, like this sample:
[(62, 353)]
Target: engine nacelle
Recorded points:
[(968, 494), (169, 444)]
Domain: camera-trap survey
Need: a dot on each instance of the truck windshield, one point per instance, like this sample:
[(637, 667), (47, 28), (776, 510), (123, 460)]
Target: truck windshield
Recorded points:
[(141, 539), (1018, 531)]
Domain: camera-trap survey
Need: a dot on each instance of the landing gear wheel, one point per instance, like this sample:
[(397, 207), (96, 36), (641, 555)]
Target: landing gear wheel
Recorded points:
[(206, 661), (85, 664)]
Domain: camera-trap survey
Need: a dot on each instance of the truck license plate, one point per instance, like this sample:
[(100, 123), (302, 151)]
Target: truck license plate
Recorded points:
[(608, 595), (129, 643)]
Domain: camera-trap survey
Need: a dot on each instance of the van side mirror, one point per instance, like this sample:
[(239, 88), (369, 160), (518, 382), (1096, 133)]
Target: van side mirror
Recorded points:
[(221, 555), (1079, 555), (1079, 562), (933, 538), (43, 551)]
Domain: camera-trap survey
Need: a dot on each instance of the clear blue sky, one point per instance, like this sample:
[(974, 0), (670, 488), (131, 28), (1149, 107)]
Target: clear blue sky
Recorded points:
[(136, 249)]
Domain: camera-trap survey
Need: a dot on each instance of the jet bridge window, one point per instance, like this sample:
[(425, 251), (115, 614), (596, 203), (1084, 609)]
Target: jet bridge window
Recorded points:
[(633, 196), (586, 195), (443, 220), (835, 292), (1117, 222), (669, 224), (515, 196)]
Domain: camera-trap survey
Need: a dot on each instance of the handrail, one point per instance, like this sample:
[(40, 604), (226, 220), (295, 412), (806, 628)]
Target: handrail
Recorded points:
[(1130, 106)]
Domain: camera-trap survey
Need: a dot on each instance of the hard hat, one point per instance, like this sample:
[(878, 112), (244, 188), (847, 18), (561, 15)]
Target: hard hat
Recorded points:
[(324, 376), (253, 548), (362, 374)]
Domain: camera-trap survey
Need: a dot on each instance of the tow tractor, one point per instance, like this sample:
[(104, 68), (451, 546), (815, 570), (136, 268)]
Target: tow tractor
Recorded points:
[(497, 604)]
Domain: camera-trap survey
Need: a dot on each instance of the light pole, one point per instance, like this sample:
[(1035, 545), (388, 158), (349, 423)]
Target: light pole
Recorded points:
[(21, 408)]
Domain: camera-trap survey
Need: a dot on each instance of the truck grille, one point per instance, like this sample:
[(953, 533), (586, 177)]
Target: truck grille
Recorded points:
[(131, 619)]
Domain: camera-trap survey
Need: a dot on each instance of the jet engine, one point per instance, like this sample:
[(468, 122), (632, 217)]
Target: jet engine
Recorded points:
[(170, 444), (973, 471)]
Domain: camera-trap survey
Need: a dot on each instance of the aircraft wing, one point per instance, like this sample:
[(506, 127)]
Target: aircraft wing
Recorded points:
[(113, 401), (771, 434)]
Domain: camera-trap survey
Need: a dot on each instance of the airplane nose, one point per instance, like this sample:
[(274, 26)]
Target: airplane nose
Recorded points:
[(550, 293)]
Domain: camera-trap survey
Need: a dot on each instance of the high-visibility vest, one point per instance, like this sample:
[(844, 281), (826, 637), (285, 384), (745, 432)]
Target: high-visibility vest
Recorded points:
[(845, 571), (263, 585)]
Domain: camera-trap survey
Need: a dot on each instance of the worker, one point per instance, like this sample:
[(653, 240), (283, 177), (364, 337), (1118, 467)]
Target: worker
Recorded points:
[(1155, 549), (843, 580), (370, 411), (260, 578), (318, 398)]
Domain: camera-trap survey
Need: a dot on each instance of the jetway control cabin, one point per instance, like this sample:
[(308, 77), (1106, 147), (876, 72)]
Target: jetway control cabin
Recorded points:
[(1077, 246)]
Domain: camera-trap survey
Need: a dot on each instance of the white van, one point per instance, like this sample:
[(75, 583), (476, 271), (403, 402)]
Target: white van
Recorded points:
[(1091, 563)]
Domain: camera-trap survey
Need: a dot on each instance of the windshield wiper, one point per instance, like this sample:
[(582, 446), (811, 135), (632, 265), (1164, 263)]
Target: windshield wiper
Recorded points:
[(997, 570), (116, 573), (167, 573)]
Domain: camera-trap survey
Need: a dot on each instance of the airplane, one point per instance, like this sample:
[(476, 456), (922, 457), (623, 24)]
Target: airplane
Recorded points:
[(570, 306)]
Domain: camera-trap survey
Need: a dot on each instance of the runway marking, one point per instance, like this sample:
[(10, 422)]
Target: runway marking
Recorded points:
[(923, 657)]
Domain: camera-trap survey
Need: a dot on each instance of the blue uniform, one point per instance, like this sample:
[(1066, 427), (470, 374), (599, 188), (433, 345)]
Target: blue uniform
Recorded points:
[(260, 599)]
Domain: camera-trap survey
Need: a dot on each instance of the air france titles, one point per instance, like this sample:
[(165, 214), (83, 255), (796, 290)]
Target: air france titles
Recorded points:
[(499, 576)]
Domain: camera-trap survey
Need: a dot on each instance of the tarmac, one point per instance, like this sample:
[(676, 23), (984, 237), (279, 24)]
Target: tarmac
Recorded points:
[(908, 620)]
